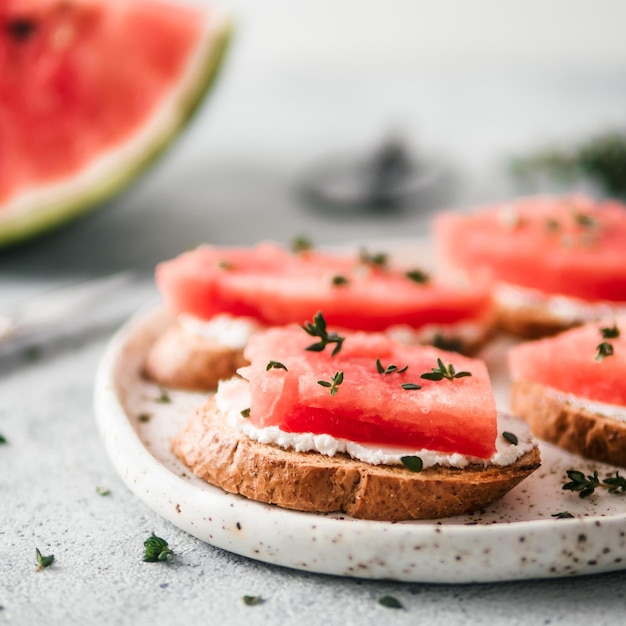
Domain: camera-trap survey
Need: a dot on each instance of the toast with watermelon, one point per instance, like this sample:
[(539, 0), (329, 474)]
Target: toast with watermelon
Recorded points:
[(570, 389), (220, 296), (357, 424), (557, 261)]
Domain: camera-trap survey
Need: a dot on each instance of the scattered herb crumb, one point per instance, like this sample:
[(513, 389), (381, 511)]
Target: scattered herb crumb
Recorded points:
[(144, 417), (510, 437), (605, 348), (43, 561), (390, 602), (3, 439), (411, 386), (378, 259), (33, 353), (226, 265), (252, 600), (156, 549), (164, 398), (301, 244), (412, 463), (245, 413), (103, 491), (339, 281), (418, 276), (562, 515)]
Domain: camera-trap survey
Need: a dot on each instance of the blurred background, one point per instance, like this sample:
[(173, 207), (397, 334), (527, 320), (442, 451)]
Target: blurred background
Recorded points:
[(464, 86)]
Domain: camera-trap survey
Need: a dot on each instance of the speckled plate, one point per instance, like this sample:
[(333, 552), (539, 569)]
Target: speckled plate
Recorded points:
[(516, 538)]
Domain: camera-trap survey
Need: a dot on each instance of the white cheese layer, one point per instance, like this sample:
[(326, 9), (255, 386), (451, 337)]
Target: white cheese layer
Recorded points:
[(233, 396), (467, 333), (612, 411), (225, 330), (569, 310)]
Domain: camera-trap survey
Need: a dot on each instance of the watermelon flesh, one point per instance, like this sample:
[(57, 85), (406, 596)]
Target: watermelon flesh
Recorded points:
[(451, 416), (569, 246), (567, 363), (277, 287)]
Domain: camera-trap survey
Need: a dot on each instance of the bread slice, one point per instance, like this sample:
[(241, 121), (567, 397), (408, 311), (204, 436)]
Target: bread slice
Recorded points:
[(309, 481), (529, 321), (570, 427), (184, 360)]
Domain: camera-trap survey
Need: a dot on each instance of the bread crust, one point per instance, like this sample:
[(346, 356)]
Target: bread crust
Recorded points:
[(309, 481), (189, 361), (572, 428), (529, 322)]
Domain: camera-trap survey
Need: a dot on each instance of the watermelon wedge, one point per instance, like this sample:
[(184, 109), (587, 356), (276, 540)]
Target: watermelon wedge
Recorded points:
[(91, 92), (572, 246), (370, 391), (573, 362), (276, 286)]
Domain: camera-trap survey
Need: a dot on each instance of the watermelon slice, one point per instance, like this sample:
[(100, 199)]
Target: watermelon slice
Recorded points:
[(299, 390), (570, 246), (276, 287), (572, 362), (91, 91)]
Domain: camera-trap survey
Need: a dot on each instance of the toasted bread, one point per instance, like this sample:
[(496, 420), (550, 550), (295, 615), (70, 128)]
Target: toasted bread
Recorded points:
[(309, 481), (573, 428)]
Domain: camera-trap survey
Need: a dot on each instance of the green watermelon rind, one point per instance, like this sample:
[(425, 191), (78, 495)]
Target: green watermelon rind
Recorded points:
[(27, 224)]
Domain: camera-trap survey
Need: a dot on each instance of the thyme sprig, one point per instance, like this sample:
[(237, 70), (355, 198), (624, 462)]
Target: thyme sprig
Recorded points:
[(43, 561), (418, 276), (444, 371), (275, 365), (156, 549), (605, 348), (334, 383), (585, 485), (318, 329), (390, 369), (377, 259)]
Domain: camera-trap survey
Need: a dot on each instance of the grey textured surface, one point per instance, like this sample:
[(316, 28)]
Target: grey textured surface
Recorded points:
[(284, 102)]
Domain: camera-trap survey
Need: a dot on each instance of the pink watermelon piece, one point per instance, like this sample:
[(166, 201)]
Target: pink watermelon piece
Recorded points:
[(279, 287), (558, 245), (568, 363), (368, 406)]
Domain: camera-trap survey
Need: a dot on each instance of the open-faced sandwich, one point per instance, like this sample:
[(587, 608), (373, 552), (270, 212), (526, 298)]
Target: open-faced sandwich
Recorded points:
[(220, 296), (557, 261), (570, 389), (357, 423)]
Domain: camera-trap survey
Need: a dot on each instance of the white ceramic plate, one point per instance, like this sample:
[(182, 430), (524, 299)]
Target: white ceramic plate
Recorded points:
[(516, 538)]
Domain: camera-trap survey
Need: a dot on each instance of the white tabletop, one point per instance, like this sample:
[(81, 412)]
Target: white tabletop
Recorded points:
[(467, 85)]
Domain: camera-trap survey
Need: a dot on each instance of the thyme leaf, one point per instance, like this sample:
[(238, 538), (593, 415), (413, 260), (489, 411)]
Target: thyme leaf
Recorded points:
[(103, 491), (334, 383), (444, 371), (43, 561), (276, 365), (339, 281), (245, 412), (585, 485), (252, 600), (156, 549), (412, 463), (318, 329), (510, 437), (411, 386), (605, 348), (377, 259), (418, 276), (164, 398), (390, 602), (301, 244), (562, 515), (390, 369), (3, 439)]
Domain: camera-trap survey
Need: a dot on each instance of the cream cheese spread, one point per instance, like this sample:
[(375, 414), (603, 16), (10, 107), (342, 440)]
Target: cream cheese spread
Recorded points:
[(612, 411), (565, 308), (223, 329), (233, 396)]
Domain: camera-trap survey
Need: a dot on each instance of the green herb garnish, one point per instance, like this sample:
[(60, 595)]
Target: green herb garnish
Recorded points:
[(103, 491), (43, 561), (144, 417), (339, 281), (444, 371), (318, 329), (605, 348), (275, 365), (164, 398), (510, 437), (413, 463), (411, 386), (245, 413), (156, 549), (418, 276), (390, 602), (378, 259), (334, 383), (390, 369), (584, 220), (226, 265), (562, 515), (3, 439), (301, 244), (586, 485), (252, 600)]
